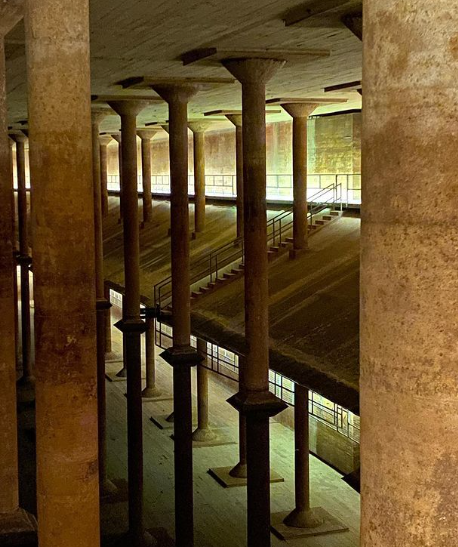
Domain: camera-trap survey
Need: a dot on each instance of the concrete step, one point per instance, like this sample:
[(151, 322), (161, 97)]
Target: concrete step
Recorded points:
[(204, 290), (327, 217), (229, 275), (320, 222), (289, 240), (335, 213), (194, 295)]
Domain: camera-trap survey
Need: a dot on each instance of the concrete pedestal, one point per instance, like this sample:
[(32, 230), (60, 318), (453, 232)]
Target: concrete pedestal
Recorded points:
[(223, 476), (321, 523), (18, 529)]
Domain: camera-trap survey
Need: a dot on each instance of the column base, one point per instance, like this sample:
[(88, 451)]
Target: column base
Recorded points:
[(222, 476), (115, 491), (206, 438), (296, 253), (319, 522), (155, 399), (155, 394), (120, 376), (18, 528)]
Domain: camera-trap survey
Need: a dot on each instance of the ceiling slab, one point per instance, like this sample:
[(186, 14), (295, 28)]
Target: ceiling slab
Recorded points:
[(149, 37)]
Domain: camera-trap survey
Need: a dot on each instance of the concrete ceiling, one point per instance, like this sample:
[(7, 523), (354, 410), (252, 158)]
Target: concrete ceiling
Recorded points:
[(147, 37)]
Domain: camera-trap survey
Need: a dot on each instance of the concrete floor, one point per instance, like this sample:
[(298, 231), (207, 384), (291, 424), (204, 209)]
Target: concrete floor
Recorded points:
[(219, 513)]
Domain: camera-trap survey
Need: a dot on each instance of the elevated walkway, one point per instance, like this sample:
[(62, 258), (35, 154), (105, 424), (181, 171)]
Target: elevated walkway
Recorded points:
[(314, 315)]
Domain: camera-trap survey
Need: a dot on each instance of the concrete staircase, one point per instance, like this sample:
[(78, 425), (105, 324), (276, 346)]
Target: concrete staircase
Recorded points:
[(236, 270), (224, 265)]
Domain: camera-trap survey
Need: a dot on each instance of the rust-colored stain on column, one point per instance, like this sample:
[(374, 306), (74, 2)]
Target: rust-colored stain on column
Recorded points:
[(409, 281)]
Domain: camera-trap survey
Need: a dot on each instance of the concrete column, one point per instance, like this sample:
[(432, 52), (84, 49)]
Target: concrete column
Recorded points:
[(15, 253), (27, 382), (181, 356), (132, 325), (13, 521), (117, 138), (198, 129), (146, 135), (64, 272), (203, 433), (108, 346), (236, 119), (254, 398), (151, 390), (239, 471), (104, 141), (409, 283), (102, 304), (299, 112)]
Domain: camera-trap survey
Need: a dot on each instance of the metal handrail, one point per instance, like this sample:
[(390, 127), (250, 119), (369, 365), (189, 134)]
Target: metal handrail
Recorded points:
[(212, 263)]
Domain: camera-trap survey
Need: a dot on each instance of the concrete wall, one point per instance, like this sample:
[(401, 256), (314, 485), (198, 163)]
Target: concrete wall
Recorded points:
[(334, 146)]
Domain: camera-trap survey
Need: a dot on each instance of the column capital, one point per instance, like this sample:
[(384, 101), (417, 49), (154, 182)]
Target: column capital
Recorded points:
[(253, 70), (235, 119), (199, 126), (179, 91), (99, 114), (298, 107), (299, 110), (105, 140), (116, 137), (128, 107), (165, 127), (18, 136), (148, 134)]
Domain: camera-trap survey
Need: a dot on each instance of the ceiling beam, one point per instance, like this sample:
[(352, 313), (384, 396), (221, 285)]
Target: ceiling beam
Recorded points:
[(235, 112), (214, 55), (145, 82), (350, 86), (305, 100)]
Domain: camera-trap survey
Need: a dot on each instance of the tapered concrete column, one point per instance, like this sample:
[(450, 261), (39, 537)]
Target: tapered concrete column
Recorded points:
[(64, 272), (236, 119), (409, 283), (203, 433), (10, 514), (146, 135), (104, 141), (254, 399), (27, 382), (151, 390), (132, 325), (181, 356), (198, 129), (117, 138), (304, 520), (15, 253), (300, 113), (108, 346), (102, 304)]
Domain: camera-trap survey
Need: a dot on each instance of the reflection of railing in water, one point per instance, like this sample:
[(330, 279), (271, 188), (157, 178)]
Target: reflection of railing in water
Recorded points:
[(226, 363), (278, 186)]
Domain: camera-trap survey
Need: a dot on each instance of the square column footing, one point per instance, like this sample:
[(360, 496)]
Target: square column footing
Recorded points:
[(18, 528), (330, 525), (162, 423), (158, 398), (223, 477), (222, 438)]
